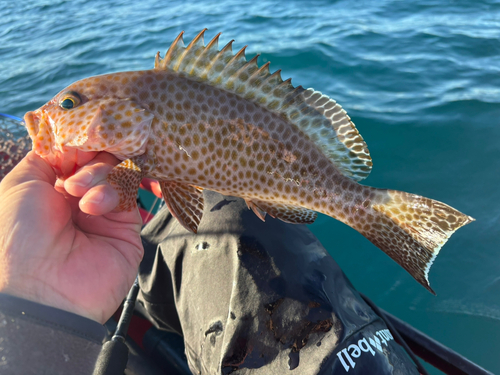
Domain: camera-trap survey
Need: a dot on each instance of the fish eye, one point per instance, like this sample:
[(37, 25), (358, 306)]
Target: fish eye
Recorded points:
[(69, 100)]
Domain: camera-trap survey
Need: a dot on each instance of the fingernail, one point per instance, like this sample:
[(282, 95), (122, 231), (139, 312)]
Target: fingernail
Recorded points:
[(82, 179), (96, 198)]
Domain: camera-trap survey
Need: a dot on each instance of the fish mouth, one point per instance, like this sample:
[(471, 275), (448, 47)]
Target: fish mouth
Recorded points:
[(32, 120), (40, 132), (65, 161)]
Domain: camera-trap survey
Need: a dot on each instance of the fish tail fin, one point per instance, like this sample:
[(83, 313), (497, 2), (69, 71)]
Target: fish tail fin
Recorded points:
[(409, 228)]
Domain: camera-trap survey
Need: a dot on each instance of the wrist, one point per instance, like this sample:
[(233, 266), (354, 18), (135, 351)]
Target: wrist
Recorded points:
[(44, 295)]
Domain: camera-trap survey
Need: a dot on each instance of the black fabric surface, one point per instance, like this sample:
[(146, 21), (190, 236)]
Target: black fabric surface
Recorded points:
[(259, 298), (248, 297), (38, 339)]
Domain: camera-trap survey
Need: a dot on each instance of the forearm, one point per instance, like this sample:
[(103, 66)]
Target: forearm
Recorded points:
[(38, 339)]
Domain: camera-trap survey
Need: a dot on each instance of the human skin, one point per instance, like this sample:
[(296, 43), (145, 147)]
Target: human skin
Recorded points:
[(61, 244)]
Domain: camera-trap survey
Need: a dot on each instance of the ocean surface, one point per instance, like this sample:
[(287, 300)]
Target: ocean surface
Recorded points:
[(420, 79)]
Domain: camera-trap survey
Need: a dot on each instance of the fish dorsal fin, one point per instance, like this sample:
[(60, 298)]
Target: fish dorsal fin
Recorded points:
[(320, 118), (285, 212), (185, 203)]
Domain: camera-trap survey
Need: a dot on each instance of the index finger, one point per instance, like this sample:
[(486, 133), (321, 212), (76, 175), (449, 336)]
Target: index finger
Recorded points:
[(90, 183)]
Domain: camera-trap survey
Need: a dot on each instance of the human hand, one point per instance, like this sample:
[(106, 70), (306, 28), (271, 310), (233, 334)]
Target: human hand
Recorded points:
[(62, 251)]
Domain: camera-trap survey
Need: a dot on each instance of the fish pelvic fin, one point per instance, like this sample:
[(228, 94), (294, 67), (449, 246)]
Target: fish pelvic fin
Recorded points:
[(320, 118), (185, 202), (411, 229)]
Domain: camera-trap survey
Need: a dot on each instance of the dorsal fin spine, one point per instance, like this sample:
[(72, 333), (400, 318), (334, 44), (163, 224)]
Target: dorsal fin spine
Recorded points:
[(243, 74), (212, 45), (157, 60), (249, 65), (240, 55), (256, 78), (292, 95), (220, 56), (283, 85), (262, 71), (227, 47), (287, 82), (172, 49), (187, 50), (276, 77), (196, 38), (214, 41), (253, 60), (281, 90)]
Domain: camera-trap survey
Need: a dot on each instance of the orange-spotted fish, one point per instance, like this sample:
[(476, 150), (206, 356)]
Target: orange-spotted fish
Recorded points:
[(206, 118)]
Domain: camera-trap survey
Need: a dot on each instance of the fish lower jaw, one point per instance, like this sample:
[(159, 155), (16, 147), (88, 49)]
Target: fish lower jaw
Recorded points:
[(66, 163), (63, 164)]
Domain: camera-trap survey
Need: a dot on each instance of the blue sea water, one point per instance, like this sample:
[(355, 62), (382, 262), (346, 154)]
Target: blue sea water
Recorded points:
[(420, 79)]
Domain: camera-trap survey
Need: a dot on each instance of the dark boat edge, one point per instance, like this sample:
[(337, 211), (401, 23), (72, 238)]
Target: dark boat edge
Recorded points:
[(425, 347)]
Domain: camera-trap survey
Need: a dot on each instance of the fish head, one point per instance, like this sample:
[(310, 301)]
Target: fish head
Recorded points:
[(89, 116)]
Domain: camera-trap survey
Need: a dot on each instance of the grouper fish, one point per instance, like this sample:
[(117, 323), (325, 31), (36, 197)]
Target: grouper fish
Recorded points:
[(206, 118)]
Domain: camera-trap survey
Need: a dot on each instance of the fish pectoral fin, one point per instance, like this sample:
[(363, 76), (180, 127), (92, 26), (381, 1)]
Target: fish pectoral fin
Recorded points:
[(285, 212), (185, 203), (126, 178)]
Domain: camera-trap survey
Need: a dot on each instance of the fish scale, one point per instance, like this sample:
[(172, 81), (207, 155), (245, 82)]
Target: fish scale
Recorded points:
[(205, 118)]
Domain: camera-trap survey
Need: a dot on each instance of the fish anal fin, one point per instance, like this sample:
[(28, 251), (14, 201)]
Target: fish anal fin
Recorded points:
[(285, 212), (321, 119), (185, 203)]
